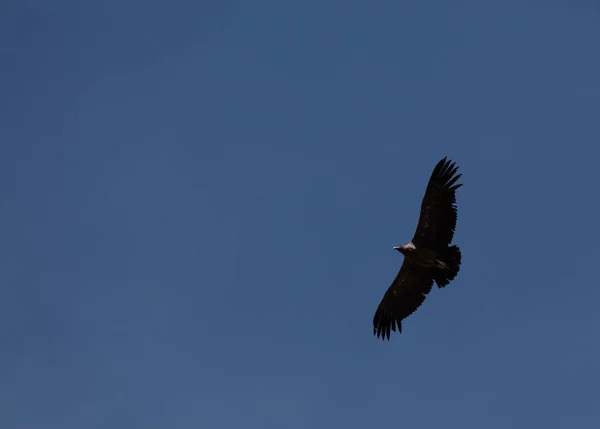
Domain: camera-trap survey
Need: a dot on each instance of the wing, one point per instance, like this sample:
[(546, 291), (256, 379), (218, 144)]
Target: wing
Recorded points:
[(403, 297), (437, 221)]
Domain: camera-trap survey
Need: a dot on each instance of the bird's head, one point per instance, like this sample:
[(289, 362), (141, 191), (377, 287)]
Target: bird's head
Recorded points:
[(399, 249)]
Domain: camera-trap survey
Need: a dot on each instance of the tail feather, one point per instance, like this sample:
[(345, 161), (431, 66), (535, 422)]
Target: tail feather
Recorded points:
[(452, 259)]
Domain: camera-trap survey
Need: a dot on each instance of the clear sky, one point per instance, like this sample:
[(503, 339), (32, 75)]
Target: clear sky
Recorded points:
[(199, 202)]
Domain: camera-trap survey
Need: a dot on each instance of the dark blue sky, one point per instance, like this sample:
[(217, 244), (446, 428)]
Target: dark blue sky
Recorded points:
[(200, 200)]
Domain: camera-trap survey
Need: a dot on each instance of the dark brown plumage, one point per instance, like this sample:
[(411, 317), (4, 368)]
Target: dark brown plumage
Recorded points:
[(428, 257)]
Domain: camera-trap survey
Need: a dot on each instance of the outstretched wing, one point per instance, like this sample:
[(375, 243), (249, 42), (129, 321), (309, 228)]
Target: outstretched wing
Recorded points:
[(403, 297), (437, 221)]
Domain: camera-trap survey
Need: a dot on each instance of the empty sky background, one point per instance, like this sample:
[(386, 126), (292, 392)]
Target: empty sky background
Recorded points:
[(199, 202)]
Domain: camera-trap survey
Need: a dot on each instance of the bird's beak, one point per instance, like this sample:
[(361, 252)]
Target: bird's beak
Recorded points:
[(396, 247)]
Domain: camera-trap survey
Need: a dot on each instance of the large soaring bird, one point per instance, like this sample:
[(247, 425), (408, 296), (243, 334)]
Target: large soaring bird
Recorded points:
[(428, 257)]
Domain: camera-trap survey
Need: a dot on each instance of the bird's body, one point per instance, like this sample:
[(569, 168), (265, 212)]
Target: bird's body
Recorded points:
[(422, 256), (428, 257)]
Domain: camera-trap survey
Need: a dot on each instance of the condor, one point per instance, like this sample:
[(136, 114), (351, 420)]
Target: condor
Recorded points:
[(428, 257)]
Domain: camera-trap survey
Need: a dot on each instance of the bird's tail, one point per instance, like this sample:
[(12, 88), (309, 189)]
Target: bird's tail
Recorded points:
[(451, 257)]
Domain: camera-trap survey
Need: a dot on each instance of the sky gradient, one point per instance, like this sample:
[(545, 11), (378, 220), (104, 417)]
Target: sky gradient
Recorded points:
[(200, 200)]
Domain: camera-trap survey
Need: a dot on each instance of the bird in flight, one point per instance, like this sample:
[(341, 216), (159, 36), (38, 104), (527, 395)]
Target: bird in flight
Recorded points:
[(428, 257)]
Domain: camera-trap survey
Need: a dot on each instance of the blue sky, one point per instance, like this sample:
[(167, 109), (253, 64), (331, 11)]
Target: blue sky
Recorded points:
[(200, 200)]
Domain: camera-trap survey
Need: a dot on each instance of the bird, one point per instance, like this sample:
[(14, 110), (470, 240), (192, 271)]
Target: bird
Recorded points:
[(428, 257)]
